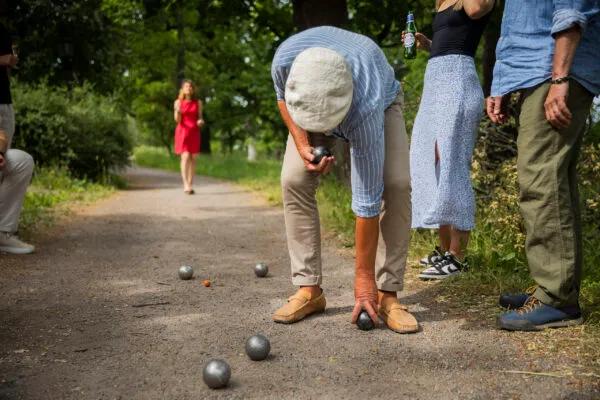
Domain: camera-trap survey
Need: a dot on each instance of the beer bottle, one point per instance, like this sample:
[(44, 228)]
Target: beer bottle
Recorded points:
[(410, 43)]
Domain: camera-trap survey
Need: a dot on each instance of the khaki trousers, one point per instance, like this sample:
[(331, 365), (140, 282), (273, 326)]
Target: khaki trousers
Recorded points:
[(302, 215), (14, 178), (547, 173)]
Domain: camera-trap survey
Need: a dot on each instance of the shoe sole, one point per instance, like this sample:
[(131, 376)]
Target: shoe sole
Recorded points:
[(13, 250), (425, 263), (436, 277), (293, 321), (528, 327)]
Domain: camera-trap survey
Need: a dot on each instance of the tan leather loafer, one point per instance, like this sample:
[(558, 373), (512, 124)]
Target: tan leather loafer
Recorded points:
[(298, 307), (397, 318)]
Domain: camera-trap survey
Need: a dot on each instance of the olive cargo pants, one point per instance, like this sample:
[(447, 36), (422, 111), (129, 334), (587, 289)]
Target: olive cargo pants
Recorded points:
[(547, 174)]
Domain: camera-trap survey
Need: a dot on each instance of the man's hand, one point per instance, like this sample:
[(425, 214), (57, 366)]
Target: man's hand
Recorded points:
[(496, 109), (557, 112), (365, 296), (322, 167)]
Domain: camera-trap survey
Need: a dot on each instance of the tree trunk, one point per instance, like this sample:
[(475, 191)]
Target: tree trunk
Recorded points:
[(180, 73), (312, 13), (498, 143), (490, 40), (205, 136)]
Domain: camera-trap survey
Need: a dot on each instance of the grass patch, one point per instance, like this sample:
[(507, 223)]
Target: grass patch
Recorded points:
[(51, 193)]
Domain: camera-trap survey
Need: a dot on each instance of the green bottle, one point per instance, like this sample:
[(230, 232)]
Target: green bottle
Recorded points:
[(410, 43)]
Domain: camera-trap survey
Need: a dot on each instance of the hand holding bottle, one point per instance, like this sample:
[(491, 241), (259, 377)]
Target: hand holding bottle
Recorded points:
[(423, 42)]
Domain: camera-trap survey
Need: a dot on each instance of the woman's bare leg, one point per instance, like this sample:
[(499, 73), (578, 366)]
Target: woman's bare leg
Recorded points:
[(191, 170), (459, 242), (445, 231), (185, 156)]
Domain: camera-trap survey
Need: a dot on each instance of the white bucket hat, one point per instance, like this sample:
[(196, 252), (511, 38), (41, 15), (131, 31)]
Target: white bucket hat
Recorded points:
[(318, 91)]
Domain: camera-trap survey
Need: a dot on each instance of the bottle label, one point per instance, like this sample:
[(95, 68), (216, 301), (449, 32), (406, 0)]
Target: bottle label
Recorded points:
[(409, 40)]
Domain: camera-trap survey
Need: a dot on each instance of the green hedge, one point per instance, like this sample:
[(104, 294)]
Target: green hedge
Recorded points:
[(79, 129)]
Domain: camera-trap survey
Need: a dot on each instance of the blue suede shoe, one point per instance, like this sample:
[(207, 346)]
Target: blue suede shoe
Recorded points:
[(536, 316), (516, 300)]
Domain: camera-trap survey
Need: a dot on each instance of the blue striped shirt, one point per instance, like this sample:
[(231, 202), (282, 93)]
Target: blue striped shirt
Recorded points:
[(375, 88)]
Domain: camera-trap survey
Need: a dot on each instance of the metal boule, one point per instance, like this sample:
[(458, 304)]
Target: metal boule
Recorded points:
[(216, 374), (319, 152), (186, 272), (364, 322), (261, 270), (258, 347)]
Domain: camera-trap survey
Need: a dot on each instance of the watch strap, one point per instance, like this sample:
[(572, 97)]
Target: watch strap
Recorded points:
[(560, 80)]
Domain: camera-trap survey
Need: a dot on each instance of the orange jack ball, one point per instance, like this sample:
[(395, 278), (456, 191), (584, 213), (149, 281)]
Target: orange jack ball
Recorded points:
[(206, 283)]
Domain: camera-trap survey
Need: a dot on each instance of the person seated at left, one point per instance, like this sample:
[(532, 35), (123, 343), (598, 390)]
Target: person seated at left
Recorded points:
[(16, 168)]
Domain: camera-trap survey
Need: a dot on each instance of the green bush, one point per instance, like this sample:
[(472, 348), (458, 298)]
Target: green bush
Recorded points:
[(78, 129)]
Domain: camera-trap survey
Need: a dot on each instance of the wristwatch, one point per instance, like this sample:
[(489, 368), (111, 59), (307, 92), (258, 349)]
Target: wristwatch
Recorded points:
[(558, 81)]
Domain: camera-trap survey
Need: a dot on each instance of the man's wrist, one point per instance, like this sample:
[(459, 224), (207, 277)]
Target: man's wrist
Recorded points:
[(559, 79)]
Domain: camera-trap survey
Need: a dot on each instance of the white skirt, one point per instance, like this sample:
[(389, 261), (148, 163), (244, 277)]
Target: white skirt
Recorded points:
[(449, 114)]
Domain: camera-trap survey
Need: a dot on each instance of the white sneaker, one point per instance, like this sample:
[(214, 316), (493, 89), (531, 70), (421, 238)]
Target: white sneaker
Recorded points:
[(447, 267), (10, 243)]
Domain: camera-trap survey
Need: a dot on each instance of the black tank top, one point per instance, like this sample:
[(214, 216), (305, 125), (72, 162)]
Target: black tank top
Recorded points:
[(454, 32)]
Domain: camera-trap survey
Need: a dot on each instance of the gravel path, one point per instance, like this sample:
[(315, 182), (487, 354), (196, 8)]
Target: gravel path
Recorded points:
[(70, 328)]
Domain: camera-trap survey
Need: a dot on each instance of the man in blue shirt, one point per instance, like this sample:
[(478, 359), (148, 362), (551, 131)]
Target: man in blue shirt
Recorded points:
[(549, 51), (334, 83)]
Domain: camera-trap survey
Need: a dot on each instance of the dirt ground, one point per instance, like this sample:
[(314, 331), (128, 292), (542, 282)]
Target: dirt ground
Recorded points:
[(73, 324)]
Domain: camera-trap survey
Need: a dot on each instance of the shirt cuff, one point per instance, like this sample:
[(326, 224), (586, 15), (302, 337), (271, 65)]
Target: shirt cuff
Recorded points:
[(366, 210), (566, 19), (495, 90)]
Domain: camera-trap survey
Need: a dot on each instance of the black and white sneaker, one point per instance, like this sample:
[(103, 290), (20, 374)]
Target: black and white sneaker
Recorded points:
[(448, 266), (436, 255)]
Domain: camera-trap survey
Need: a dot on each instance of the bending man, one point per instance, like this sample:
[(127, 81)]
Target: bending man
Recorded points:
[(334, 83)]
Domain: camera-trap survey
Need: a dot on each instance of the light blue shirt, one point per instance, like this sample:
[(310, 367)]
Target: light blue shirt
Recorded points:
[(375, 88), (526, 46)]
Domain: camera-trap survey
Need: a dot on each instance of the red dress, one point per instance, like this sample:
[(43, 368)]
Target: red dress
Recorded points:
[(187, 133)]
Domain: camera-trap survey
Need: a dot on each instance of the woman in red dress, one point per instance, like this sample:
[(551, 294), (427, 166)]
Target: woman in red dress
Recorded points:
[(188, 114)]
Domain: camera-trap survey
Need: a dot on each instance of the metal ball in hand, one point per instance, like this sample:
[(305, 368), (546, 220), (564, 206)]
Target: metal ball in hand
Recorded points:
[(258, 347), (261, 270), (319, 152), (186, 272), (216, 374), (364, 322)]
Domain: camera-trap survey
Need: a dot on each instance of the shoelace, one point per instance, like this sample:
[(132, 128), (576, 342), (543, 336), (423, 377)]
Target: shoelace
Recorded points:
[(531, 304), (439, 265), (435, 254), (531, 290)]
